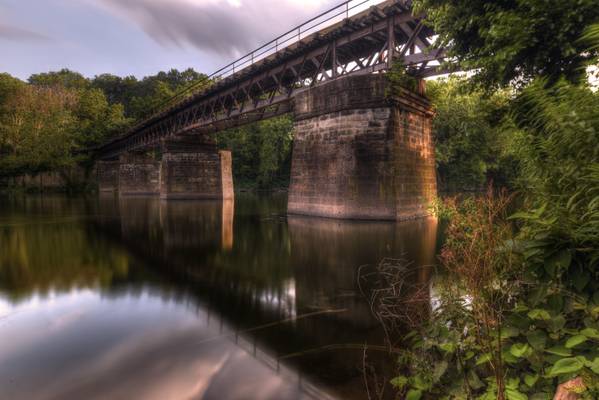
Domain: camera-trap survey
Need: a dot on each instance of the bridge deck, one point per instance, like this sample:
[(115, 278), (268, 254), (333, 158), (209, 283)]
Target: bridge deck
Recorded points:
[(362, 44)]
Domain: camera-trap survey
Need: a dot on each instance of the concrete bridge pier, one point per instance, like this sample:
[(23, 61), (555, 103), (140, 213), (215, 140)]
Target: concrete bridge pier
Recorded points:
[(139, 174), (193, 168), (360, 153), (107, 175)]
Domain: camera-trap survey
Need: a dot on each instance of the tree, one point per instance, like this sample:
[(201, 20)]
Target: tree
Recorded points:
[(97, 119), (261, 152), (116, 89), (513, 41), (42, 126), (65, 78), (141, 97), (45, 122), (468, 135), (38, 129)]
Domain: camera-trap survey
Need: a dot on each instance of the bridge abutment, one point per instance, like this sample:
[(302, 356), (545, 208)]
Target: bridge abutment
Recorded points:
[(361, 154), (139, 174), (193, 168)]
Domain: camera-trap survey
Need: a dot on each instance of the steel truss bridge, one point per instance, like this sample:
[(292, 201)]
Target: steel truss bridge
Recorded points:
[(355, 37)]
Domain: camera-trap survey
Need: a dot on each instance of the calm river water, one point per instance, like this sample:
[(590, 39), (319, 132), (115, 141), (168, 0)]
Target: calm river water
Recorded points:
[(108, 298)]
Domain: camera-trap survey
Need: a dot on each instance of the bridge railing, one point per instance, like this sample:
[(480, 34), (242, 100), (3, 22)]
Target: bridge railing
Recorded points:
[(336, 14)]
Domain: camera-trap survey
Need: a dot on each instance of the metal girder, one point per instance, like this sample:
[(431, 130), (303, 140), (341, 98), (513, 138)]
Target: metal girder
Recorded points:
[(363, 44)]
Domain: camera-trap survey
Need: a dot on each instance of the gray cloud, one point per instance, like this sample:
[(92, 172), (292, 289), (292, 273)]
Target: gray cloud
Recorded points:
[(227, 28), (14, 33)]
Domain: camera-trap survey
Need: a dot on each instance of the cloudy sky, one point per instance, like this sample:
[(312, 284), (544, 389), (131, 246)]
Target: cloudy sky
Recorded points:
[(139, 37)]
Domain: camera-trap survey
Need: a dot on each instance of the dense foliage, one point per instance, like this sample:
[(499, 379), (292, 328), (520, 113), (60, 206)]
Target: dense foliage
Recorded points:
[(468, 136), (517, 316), (559, 236), (261, 153), (518, 313), (42, 126), (140, 97), (513, 41)]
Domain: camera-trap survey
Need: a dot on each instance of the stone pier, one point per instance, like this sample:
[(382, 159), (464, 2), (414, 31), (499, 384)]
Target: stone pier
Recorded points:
[(107, 174), (139, 174), (193, 168), (361, 154)]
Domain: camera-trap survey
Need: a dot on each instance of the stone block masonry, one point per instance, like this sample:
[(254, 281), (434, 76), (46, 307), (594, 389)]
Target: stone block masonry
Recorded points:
[(193, 168), (139, 175), (358, 154), (107, 175)]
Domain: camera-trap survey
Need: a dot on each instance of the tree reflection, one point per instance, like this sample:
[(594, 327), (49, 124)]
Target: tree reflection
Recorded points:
[(287, 284)]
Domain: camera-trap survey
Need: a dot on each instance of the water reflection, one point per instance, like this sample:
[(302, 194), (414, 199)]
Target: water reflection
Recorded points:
[(140, 298), (81, 346)]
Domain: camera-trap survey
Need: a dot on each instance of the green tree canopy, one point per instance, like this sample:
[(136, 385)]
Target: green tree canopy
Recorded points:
[(139, 97), (43, 125), (65, 78), (261, 152), (513, 41)]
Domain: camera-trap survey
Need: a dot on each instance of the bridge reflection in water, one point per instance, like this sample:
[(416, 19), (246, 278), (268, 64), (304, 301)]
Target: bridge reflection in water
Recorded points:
[(217, 299)]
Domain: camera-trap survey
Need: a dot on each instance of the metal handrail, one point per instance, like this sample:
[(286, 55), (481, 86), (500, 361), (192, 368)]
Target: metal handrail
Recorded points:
[(293, 36)]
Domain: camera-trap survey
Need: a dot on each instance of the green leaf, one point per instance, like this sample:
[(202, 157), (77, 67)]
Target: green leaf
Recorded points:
[(411, 334), (512, 383), (575, 341), (580, 279), (542, 396), (414, 394), (509, 332), (520, 350), (447, 347), (537, 339), (595, 365), (530, 380), (591, 333), (513, 394), (559, 351), (508, 357), (566, 366), (555, 303), (485, 358), (539, 314), (557, 323), (559, 261), (537, 294), (420, 383), (399, 382), (439, 371), (474, 381)]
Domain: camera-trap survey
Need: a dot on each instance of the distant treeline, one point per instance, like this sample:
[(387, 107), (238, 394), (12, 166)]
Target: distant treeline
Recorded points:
[(46, 121)]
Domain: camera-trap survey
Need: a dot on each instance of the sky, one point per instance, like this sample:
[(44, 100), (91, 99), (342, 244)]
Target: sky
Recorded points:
[(140, 37)]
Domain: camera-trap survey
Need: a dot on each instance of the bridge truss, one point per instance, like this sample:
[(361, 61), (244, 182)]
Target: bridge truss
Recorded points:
[(368, 42)]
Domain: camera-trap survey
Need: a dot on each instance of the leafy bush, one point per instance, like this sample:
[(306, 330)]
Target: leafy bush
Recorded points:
[(460, 352), (519, 312), (468, 136)]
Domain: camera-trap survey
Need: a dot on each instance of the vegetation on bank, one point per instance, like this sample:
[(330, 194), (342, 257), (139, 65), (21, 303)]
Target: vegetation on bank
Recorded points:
[(516, 315), (518, 312)]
